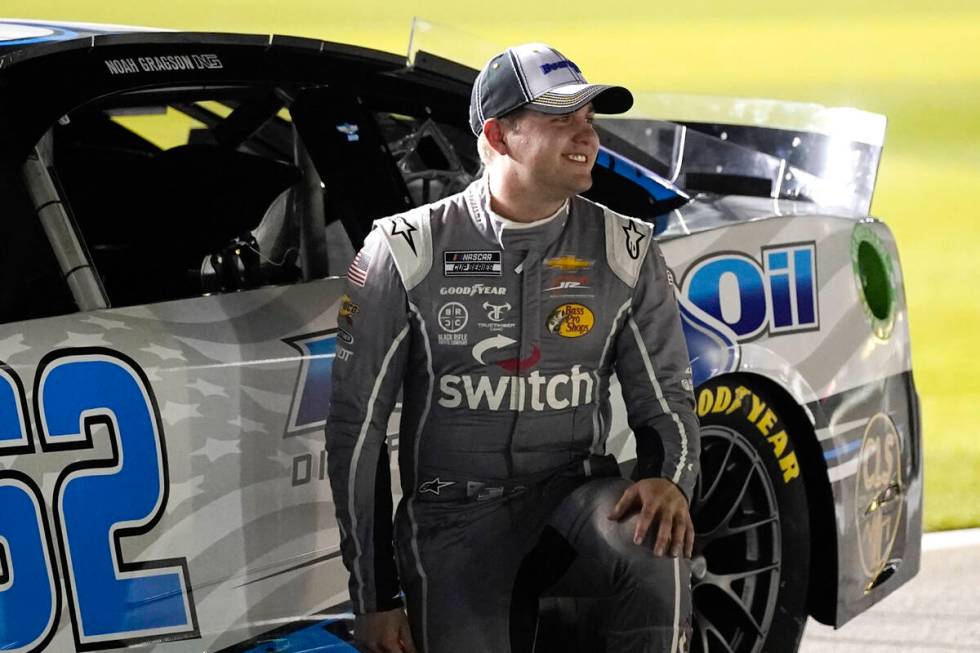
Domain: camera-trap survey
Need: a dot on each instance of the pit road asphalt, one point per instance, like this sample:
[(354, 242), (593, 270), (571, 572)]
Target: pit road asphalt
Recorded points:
[(938, 610)]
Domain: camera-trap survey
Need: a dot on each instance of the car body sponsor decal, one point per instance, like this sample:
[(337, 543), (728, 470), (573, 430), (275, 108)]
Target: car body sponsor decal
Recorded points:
[(473, 263), (571, 320), (878, 494), (313, 382), (777, 295)]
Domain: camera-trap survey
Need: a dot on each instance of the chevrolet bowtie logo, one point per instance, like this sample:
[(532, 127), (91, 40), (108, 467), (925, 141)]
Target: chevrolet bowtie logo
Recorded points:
[(433, 486)]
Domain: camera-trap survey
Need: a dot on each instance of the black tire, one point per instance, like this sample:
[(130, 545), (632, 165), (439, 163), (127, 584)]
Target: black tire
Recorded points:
[(752, 548)]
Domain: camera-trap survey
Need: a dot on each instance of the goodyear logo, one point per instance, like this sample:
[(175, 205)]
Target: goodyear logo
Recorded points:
[(747, 406), (571, 320)]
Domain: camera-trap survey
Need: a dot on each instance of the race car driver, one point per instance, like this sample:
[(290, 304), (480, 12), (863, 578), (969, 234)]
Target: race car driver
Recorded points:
[(501, 312)]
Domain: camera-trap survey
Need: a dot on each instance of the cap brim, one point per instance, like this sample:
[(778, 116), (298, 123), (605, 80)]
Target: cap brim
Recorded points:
[(572, 97)]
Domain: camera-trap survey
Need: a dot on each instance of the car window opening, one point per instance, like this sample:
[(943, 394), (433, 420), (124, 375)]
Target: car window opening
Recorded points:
[(183, 192)]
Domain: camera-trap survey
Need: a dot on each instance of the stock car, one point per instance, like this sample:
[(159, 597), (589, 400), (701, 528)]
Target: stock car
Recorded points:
[(178, 211)]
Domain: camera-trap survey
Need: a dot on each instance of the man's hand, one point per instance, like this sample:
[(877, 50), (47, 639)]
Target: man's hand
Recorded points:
[(658, 499), (383, 632)]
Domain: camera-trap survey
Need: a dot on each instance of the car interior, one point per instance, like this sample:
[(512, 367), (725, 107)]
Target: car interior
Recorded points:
[(180, 192)]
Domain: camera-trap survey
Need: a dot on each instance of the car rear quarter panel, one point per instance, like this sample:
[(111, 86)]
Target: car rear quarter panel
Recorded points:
[(849, 373)]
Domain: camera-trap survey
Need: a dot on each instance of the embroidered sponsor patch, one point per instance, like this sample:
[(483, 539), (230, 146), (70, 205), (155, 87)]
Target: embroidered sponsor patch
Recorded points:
[(633, 238), (434, 486), (568, 283), (348, 309), (357, 271), (567, 263), (454, 339), (345, 336), (472, 263), (343, 354), (453, 317), (401, 227), (473, 290), (571, 320)]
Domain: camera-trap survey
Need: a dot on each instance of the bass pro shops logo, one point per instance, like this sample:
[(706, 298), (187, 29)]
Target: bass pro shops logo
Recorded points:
[(571, 320)]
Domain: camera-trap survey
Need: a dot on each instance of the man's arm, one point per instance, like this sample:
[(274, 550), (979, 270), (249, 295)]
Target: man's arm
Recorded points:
[(368, 369), (653, 367)]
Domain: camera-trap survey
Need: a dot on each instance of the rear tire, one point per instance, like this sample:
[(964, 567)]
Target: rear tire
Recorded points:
[(752, 547)]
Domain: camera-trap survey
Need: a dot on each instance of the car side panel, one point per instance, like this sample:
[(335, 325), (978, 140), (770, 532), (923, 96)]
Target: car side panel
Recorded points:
[(247, 504)]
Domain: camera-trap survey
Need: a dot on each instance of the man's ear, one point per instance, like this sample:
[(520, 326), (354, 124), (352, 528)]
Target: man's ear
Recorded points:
[(493, 131)]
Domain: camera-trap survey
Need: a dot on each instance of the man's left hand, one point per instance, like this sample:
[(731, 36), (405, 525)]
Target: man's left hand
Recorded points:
[(658, 500)]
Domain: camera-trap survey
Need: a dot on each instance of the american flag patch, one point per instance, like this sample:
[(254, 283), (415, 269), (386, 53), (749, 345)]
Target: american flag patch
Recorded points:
[(358, 269)]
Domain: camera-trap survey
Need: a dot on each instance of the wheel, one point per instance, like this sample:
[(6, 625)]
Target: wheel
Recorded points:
[(751, 550)]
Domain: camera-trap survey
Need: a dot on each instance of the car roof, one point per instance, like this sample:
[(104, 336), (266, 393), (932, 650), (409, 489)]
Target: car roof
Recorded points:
[(22, 34), (49, 69)]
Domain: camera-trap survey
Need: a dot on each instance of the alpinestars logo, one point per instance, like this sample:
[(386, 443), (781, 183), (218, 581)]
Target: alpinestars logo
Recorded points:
[(400, 227), (535, 392), (633, 238), (434, 486)]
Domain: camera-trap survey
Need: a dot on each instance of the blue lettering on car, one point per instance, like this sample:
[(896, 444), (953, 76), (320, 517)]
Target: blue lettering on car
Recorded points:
[(312, 393), (778, 295)]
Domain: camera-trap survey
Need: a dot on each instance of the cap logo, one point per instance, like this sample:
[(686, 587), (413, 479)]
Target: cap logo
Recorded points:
[(558, 65)]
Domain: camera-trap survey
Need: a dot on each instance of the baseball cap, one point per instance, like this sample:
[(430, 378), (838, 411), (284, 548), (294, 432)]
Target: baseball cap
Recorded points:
[(537, 76)]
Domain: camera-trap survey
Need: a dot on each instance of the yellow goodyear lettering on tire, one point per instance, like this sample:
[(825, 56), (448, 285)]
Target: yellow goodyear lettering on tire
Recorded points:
[(729, 400)]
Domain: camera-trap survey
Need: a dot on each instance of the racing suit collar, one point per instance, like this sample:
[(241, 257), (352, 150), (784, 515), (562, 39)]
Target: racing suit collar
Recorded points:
[(536, 237)]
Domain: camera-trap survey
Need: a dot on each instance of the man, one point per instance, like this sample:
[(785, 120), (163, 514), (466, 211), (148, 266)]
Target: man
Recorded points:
[(502, 312)]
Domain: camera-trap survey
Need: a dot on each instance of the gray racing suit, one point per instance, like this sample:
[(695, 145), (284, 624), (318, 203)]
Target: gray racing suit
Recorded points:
[(503, 341)]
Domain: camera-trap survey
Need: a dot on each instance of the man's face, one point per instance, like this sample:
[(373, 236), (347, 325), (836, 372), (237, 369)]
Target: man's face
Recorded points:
[(554, 155)]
